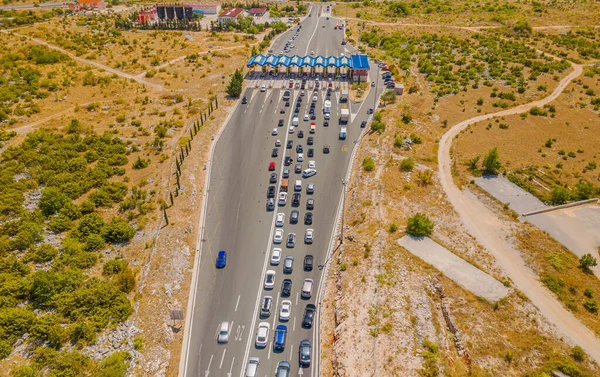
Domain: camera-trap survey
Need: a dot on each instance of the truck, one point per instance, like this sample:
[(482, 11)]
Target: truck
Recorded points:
[(344, 114), (327, 107), (344, 96)]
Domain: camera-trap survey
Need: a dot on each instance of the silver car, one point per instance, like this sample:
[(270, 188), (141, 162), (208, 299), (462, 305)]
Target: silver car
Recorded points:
[(291, 240), (223, 336), (252, 367)]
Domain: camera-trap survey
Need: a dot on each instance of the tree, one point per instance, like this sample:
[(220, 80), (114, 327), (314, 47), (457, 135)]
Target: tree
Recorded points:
[(491, 162), (584, 190), (389, 96), (234, 89), (586, 261), (419, 225), (140, 163)]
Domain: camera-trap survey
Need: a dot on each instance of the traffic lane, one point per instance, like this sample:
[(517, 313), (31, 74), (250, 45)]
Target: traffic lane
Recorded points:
[(207, 275), (234, 203), (304, 35)]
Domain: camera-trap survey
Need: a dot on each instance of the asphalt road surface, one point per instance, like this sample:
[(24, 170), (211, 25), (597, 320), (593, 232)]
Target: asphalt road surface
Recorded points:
[(238, 222), (36, 5)]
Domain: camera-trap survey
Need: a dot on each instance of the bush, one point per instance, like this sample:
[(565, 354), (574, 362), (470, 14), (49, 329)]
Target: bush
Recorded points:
[(44, 253), (115, 365), (126, 281), (559, 195), (114, 267), (578, 354), (393, 228), (586, 261), (377, 126), (368, 164), (117, 231), (89, 224), (52, 200), (94, 242), (408, 164), (419, 225), (591, 305), (140, 163)]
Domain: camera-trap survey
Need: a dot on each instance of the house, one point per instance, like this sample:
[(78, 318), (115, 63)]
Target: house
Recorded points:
[(360, 67), (147, 16), (81, 5), (230, 15), (204, 8), (257, 12)]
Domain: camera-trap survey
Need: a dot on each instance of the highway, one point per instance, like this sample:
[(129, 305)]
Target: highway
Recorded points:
[(236, 218), (34, 5)]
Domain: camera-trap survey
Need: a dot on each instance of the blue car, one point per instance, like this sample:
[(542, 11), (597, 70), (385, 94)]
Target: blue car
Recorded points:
[(221, 259), (279, 338)]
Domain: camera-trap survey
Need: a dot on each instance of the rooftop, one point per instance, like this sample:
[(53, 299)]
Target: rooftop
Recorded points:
[(360, 61), (231, 12), (258, 10)]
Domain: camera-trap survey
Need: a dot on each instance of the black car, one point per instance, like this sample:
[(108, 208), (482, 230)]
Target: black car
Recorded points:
[(313, 116), (310, 152), (282, 111), (308, 217), (270, 204), (326, 123), (287, 103), (308, 262), (296, 111), (244, 100), (300, 134), (271, 192), (294, 217), (363, 124), (288, 161), (312, 105), (310, 204), (286, 173), (290, 144), (309, 315), (370, 110), (298, 104), (326, 149), (286, 288), (299, 148), (298, 168), (280, 124), (275, 152), (296, 200), (273, 178), (310, 140), (311, 111)]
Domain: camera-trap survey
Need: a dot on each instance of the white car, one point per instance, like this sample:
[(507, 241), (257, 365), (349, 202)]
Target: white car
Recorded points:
[(309, 236), (311, 164), (315, 98), (280, 219), (291, 129), (306, 117), (263, 88), (223, 336), (276, 256), (274, 132), (278, 143), (278, 236), (270, 279), (300, 157), (285, 310), (309, 173), (262, 335), (302, 93), (282, 198), (307, 287)]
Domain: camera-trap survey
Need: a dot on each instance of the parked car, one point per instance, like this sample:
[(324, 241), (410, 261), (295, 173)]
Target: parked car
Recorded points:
[(309, 236), (275, 256), (310, 204), (288, 263), (308, 218), (294, 217), (286, 288), (265, 306), (291, 240), (270, 279), (308, 262)]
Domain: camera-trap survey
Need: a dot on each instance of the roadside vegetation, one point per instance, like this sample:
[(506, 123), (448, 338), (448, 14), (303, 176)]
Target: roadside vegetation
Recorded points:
[(63, 202)]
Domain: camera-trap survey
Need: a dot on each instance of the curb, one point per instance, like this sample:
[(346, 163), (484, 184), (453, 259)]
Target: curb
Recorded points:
[(555, 208)]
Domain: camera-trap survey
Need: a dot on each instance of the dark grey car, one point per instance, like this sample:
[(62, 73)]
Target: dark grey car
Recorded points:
[(304, 352), (288, 263)]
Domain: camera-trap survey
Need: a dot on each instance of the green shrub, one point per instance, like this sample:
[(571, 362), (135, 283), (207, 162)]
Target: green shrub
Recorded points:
[(52, 200), (43, 253), (419, 225), (93, 242), (408, 164), (117, 231), (393, 228), (591, 305), (553, 283), (89, 224), (578, 354), (491, 162), (115, 365), (559, 195), (586, 261), (125, 281), (368, 164), (140, 163), (114, 267)]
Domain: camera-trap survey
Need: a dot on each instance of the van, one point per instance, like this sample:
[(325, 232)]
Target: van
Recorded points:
[(298, 186), (252, 367), (265, 307), (295, 122), (284, 185)]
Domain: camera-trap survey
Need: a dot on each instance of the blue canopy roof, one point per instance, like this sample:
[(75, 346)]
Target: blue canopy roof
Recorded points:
[(356, 62), (360, 62)]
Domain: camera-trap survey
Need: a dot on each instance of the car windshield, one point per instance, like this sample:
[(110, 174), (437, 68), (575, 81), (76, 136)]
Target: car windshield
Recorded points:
[(269, 278)]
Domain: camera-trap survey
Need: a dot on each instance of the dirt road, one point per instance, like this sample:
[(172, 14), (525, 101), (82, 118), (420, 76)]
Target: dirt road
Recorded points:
[(495, 235)]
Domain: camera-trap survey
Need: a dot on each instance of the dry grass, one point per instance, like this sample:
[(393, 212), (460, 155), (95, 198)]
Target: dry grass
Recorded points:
[(469, 13), (522, 145)]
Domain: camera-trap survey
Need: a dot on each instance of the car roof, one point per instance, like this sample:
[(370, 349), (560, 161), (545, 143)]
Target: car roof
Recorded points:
[(222, 253), (281, 327), (311, 306)]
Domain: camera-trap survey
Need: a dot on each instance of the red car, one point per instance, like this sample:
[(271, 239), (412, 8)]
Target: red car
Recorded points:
[(271, 166)]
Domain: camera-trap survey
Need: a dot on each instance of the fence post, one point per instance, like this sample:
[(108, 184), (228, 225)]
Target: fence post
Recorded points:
[(171, 196), (165, 214)]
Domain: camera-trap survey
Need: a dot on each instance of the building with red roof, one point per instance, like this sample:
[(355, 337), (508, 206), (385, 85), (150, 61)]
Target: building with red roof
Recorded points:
[(87, 5), (230, 15), (257, 12)]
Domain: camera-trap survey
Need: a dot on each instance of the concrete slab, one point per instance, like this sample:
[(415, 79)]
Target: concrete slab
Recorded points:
[(578, 228), (507, 192), (455, 268)]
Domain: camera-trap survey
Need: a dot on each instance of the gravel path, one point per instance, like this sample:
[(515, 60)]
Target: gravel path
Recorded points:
[(495, 235)]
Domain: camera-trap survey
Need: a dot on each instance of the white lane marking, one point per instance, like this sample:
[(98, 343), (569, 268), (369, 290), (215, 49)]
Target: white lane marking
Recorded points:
[(237, 303), (265, 263), (275, 310), (294, 326), (222, 358), (231, 367), (270, 349), (208, 369), (291, 351), (296, 298), (310, 40)]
